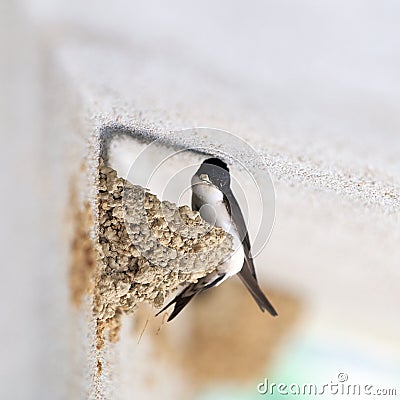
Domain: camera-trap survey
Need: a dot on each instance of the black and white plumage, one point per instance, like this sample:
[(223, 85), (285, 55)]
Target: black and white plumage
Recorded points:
[(213, 198)]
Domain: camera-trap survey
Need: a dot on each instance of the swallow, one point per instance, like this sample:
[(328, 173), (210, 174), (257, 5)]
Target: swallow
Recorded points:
[(213, 198)]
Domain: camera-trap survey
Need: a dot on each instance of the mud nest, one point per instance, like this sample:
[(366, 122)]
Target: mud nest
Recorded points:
[(146, 250)]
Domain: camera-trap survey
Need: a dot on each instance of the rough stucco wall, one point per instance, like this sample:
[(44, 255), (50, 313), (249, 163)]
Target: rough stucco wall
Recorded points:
[(319, 107)]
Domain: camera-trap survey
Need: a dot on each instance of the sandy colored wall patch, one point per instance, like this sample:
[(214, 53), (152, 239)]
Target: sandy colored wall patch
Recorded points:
[(83, 257), (227, 340)]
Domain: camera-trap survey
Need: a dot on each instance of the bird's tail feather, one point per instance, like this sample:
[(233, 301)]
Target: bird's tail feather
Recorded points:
[(180, 302), (252, 285), (165, 307)]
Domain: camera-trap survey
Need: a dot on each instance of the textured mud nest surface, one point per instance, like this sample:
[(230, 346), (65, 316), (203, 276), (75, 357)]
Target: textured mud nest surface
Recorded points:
[(146, 249)]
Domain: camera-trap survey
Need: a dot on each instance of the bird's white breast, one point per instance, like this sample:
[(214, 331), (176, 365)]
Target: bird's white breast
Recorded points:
[(206, 192), (215, 213)]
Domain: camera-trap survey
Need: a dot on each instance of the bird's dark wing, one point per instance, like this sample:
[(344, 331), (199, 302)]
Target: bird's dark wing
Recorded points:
[(183, 298), (237, 218), (196, 203), (248, 273)]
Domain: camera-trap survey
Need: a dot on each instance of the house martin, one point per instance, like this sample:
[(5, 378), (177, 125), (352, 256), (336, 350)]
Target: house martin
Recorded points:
[(213, 198)]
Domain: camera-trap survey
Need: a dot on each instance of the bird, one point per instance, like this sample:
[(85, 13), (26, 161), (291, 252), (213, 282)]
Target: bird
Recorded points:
[(213, 198)]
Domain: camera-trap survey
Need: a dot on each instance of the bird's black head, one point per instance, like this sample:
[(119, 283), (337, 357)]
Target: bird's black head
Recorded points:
[(217, 171)]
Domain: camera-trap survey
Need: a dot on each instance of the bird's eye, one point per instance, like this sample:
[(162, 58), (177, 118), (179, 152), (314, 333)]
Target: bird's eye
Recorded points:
[(204, 177)]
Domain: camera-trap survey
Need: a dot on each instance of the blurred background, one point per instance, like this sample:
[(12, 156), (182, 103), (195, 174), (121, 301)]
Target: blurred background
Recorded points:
[(313, 86)]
